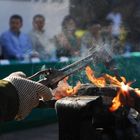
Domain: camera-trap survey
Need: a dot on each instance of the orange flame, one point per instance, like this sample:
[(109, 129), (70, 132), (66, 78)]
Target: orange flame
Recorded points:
[(64, 89), (100, 82), (116, 102), (137, 91), (113, 81)]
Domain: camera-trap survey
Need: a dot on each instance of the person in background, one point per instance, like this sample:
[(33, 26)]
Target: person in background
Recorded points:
[(91, 37), (67, 44), (116, 18), (42, 46), (19, 95), (115, 43), (15, 44)]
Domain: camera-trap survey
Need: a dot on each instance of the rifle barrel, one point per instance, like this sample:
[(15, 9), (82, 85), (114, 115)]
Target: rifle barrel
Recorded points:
[(78, 64)]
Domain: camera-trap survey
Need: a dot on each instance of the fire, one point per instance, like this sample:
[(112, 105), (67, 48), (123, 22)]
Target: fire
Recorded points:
[(100, 82), (122, 97), (116, 102), (64, 89), (137, 91), (123, 93)]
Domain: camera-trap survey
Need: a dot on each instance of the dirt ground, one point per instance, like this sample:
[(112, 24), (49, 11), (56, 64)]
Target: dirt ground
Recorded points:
[(48, 132)]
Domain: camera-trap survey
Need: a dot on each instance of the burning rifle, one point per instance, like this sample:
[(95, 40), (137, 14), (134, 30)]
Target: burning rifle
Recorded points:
[(129, 96), (53, 76)]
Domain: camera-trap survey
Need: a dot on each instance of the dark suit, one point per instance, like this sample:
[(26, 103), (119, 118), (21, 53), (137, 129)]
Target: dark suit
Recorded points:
[(9, 102)]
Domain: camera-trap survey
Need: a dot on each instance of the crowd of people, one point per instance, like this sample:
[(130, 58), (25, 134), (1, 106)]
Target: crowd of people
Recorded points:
[(69, 43)]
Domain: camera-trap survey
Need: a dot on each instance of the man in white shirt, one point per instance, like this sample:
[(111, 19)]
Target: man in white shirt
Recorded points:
[(42, 47), (116, 19)]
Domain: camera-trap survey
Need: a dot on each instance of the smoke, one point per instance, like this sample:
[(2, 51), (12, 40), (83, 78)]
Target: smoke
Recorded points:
[(102, 53)]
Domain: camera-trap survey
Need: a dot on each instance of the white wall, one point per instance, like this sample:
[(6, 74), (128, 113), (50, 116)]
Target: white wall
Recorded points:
[(53, 10)]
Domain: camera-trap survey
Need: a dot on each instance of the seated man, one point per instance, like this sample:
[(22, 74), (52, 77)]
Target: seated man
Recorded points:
[(66, 42), (43, 48), (91, 38), (15, 44)]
